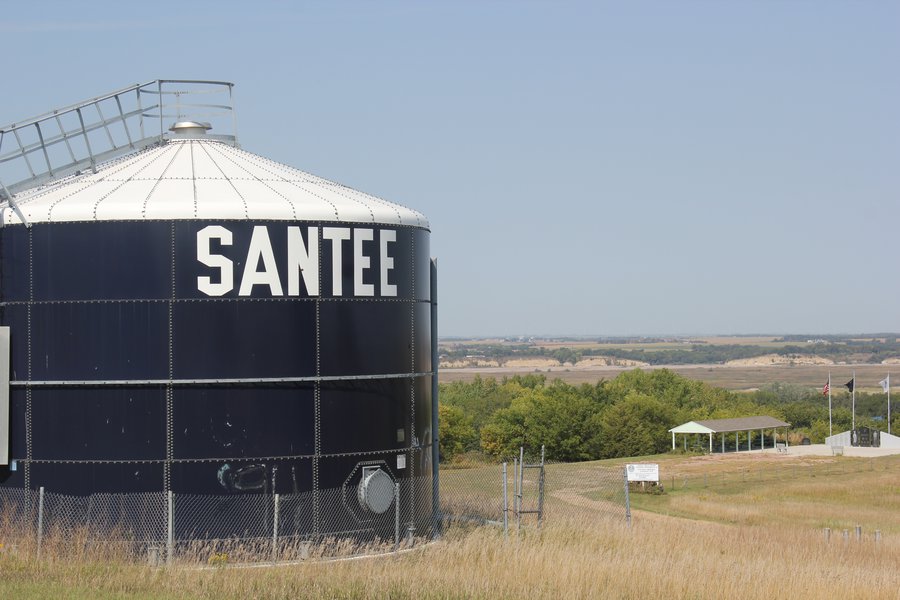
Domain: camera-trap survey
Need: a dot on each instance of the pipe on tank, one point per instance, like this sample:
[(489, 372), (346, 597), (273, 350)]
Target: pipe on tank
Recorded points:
[(435, 441)]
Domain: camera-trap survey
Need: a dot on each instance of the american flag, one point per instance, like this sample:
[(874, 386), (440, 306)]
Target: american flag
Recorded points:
[(825, 390)]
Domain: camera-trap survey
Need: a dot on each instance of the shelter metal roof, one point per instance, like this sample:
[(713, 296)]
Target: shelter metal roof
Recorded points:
[(728, 425)]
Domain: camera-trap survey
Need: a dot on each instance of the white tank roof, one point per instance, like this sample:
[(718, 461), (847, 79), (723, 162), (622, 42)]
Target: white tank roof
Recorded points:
[(193, 177)]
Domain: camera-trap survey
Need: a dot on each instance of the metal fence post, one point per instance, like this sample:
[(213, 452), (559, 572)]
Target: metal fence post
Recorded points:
[(505, 503), (521, 486), (396, 517), (411, 524), (40, 523), (516, 487), (275, 530), (627, 497), (541, 492), (858, 533), (170, 528)]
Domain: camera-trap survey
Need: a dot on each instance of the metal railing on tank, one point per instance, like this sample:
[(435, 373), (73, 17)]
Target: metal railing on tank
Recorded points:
[(76, 138)]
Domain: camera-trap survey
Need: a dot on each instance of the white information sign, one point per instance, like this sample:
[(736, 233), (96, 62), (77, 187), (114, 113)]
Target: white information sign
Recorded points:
[(643, 472)]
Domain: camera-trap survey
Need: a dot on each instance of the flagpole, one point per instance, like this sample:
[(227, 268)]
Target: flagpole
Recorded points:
[(853, 401), (830, 433), (889, 402)]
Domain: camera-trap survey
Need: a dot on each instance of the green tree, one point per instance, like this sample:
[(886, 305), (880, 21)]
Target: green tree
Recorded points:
[(457, 434), (506, 431), (635, 426), (818, 431), (480, 398), (802, 415), (841, 419), (528, 380), (560, 420), (557, 417)]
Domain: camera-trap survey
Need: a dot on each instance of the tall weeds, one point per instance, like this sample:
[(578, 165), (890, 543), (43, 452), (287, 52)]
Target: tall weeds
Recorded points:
[(657, 557)]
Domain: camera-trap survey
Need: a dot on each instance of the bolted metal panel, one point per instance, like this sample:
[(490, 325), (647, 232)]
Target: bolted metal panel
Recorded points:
[(262, 339), (111, 263), (98, 340), (98, 424), (242, 421), (360, 416)]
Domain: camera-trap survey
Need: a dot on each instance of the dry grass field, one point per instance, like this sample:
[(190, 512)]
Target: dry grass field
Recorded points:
[(775, 491), (752, 529)]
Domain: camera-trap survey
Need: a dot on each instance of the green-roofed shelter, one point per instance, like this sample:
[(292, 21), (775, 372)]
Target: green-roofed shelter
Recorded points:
[(736, 426)]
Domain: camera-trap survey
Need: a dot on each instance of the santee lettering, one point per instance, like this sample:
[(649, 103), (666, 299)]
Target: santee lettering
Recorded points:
[(262, 270)]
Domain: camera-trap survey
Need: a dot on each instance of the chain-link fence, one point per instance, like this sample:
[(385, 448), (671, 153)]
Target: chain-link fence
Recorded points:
[(127, 525), (164, 527), (498, 493)]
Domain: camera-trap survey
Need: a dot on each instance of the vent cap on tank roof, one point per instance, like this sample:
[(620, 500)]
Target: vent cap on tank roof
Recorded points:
[(190, 128)]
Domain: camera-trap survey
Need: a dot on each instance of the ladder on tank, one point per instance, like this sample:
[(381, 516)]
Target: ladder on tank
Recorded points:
[(77, 137)]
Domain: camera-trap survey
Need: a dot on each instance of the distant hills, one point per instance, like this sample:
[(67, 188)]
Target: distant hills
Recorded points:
[(639, 351)]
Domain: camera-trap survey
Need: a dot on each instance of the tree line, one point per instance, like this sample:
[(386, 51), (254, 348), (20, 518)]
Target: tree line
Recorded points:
[(857, 351), (626, 416)]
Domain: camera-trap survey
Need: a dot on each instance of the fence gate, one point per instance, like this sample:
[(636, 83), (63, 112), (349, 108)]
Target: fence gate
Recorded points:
[(519, 467)]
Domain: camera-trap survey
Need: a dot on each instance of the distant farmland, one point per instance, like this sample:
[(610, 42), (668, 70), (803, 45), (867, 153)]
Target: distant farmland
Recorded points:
[(731, 362)]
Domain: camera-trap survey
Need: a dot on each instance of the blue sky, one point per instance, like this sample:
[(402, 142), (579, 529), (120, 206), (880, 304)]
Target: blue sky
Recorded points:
[(588, 168)]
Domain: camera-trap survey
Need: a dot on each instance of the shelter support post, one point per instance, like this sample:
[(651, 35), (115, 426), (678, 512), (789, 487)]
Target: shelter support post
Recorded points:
[(710, 443), (673, 440), (723, 443)]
